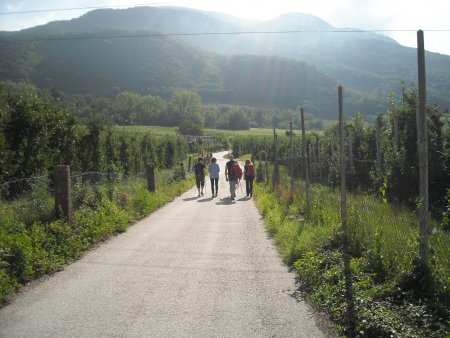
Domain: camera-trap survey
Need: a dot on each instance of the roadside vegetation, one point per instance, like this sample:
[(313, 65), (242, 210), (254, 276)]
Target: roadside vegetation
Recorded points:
[(389, 298), (107, 170), (367, 275), (31, 248)]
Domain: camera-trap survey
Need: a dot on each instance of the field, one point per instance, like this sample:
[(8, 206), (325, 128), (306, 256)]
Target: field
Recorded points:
[(163, 131)]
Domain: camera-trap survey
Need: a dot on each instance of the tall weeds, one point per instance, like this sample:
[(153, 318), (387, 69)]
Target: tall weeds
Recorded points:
[(383, 249)]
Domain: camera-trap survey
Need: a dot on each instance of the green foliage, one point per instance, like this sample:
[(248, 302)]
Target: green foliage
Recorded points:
[(185, 106), (234, 119), (381, 309), (390, 295), (190, 128), (27, 252), (179, 173), (35, 133), (396, 174), (89, 146)]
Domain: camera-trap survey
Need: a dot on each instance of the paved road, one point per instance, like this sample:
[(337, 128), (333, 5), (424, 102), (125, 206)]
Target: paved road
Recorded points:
[(198, 267)]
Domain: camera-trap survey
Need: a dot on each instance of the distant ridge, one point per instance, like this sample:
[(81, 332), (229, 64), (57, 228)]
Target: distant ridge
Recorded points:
[(368, 65)]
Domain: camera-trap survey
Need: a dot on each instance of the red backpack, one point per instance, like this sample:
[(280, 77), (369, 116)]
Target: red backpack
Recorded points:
[(250, 170), (237, 171)]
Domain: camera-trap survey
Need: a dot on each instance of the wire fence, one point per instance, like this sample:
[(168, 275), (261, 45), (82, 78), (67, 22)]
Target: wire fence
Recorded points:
[(385, 233), (362, 206), (32, 199), (381, 221)]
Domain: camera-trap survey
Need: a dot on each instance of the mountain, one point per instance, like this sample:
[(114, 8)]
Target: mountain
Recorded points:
[(85, 64), (106, 51)]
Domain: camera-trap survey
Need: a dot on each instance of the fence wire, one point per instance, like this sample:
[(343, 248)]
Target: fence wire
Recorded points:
[(382, 221), (31, 200)]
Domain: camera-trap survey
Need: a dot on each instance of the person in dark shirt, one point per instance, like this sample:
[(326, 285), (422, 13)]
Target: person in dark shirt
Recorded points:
[(231, 177), (249, 175), (199, 171)]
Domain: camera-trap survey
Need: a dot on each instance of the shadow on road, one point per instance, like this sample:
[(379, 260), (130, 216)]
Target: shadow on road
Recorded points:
[(207, 199), (225, 201), (190, 198), (245, 198)]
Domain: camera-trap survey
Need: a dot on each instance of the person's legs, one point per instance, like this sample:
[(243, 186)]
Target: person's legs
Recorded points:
[(232, 188), (202, 182), (247, 186), (250, 180), (197, 182), (217, 185), (212, 186)]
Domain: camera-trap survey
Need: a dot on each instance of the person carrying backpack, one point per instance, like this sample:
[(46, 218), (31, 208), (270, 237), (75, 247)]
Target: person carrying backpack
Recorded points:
[(233, 174), (249, 175), (199, 170)]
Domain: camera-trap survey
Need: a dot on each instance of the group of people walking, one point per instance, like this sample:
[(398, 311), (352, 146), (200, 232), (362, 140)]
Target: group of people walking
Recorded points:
[(233, 175)]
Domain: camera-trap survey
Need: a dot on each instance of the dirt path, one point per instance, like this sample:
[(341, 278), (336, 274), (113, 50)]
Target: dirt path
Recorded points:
[(199, 267)]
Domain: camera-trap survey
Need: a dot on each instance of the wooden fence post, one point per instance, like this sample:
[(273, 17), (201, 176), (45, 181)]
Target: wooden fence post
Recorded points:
[(150, 170), (305, 160), (319, 160), (276, 169), (63, 193), (342, 163), (291, 162), (311, 162), (346, 239), (350, 150), (423, 153)]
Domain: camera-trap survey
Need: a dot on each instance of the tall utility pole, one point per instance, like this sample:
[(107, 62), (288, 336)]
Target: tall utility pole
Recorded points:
[(423, 152)]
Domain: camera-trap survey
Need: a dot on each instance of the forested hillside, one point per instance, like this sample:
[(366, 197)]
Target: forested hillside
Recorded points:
[(85, 64), (109, 51)]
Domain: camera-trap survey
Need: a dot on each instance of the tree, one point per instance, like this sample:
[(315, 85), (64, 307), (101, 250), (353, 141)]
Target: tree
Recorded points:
[(235, 119), (89, 146), (149, 110), (190, 128), (126, 107), (185, 106), (37, 133)]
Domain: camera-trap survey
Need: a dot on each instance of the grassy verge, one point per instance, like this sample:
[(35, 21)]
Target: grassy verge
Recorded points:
[(29, 250), (390, 298)]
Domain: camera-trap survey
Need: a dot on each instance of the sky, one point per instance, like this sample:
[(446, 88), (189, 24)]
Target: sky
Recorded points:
[(401, 17)]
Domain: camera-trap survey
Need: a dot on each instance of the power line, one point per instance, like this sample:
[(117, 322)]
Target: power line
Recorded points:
[(79, 8), (149, 35)]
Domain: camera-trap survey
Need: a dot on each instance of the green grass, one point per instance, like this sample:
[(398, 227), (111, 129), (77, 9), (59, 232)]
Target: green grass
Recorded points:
[(231, 133), (156, 130), (30, 248), (152, 130), (390, 296), (162, 131)]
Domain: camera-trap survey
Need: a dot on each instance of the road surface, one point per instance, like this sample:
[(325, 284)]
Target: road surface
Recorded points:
[(198, 267)]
